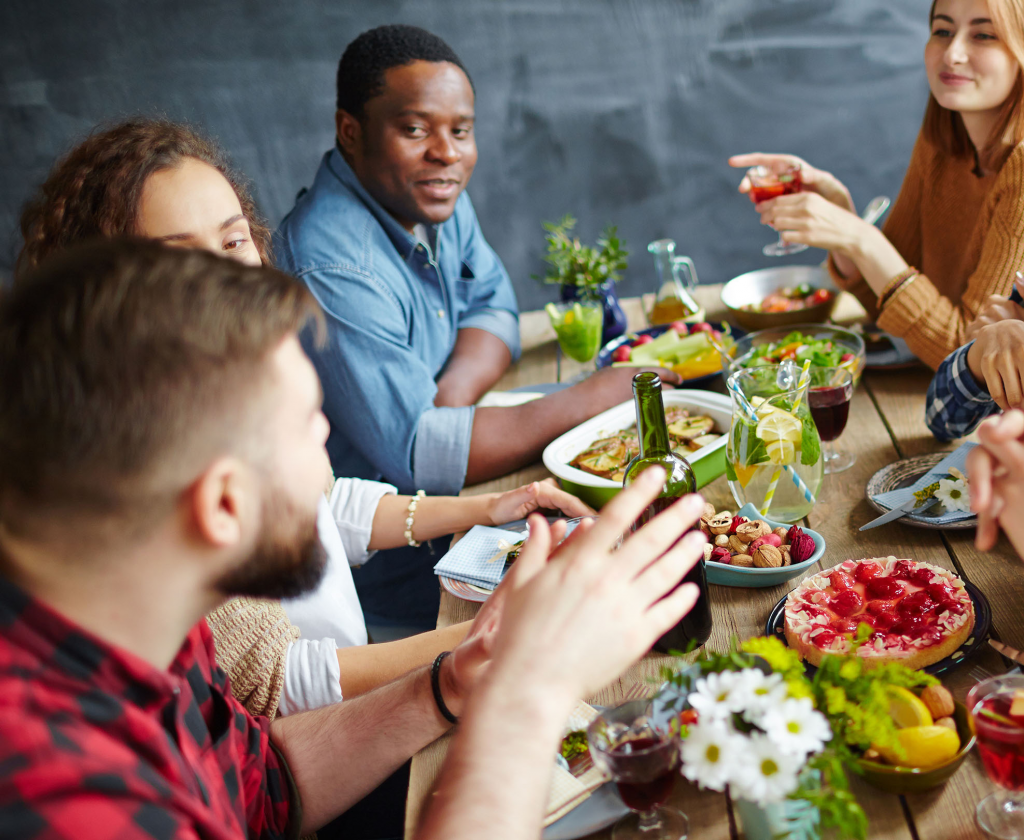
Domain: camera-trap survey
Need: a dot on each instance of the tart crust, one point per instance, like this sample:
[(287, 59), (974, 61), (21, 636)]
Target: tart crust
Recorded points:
[(802, 625)]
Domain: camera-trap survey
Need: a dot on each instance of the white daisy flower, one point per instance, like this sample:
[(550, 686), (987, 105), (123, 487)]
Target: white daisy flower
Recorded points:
[(760, 692), (710, 754), (717, 696), (954, 495), (796, 727), (767, 774)]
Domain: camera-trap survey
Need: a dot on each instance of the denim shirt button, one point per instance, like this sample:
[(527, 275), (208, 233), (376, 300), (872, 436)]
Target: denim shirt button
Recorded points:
[(440, 313)]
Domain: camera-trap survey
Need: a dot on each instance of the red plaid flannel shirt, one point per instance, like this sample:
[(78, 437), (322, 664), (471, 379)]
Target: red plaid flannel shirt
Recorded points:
[(96, 744)]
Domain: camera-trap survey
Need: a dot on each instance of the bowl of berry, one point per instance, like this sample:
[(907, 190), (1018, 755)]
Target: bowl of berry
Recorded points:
[(747, 549)]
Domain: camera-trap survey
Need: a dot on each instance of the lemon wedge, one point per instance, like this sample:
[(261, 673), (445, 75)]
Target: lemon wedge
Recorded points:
[(779, 426), (925, 746), (780, 452), (907, 709)]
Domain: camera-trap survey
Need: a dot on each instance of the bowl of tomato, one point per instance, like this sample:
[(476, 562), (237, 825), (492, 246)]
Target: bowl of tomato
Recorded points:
[(778, 297)]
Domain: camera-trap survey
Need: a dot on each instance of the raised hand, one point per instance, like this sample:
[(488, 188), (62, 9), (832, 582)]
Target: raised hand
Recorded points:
[(995, 471), (814, 180)]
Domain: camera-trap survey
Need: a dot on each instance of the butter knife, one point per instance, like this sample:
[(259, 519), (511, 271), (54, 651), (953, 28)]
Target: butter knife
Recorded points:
[(902, 510)]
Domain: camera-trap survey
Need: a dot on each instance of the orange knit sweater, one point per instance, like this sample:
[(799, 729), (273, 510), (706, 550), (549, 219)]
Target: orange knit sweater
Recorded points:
[(966, 236)]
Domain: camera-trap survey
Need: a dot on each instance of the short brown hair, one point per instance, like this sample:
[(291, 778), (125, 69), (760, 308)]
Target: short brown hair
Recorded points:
[(946, 129), (120, 359), (95, 189)]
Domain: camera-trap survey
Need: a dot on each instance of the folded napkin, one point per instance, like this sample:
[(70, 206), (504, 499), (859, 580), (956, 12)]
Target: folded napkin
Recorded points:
[(958, 459), (568, 791), (469, 560)]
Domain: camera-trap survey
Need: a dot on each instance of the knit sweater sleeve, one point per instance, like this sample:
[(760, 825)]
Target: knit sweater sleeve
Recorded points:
[(931, 323), (902, 228), (252, 636)]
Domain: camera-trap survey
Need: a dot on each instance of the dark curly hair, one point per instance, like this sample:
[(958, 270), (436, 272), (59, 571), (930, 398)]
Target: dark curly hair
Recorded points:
[(364, 62), (94, 190)]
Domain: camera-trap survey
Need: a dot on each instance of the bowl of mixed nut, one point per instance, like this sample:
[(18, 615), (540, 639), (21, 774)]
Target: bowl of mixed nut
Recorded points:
[(747, 549)]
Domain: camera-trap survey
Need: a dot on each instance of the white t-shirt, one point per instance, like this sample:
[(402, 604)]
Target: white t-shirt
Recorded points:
[(331, 617)]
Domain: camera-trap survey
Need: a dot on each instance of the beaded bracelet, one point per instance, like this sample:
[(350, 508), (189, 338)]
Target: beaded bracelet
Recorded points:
[(897, 283), (410, 516)]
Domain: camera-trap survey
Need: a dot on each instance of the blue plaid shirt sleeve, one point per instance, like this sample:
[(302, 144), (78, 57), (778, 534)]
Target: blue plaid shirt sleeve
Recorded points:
[(956, 402)]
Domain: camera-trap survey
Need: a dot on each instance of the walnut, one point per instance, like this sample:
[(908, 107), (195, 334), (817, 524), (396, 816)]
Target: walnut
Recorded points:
[(736, 545), (786, 559), (721, 522), (742, 560), (767, 557), (705, 527), (782, 534), (947, 722), (938, 700), (722, 540), (750, 531), (709, 511)]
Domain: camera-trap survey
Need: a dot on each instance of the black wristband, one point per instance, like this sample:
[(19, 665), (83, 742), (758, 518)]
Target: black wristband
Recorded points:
[(435, 685)]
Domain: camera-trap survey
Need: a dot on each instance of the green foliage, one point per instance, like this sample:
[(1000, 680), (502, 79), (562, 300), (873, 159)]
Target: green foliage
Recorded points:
[(574, 264)]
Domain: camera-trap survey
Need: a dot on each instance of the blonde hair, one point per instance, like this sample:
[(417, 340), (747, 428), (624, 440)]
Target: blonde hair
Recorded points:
[(946, 128)]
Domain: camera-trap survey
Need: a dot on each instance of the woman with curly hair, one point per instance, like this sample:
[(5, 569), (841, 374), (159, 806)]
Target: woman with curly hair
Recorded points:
[(955, 236), (164, 181)]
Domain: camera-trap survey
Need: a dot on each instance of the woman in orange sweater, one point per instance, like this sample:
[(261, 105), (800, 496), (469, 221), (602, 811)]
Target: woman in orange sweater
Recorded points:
[(955, 236)]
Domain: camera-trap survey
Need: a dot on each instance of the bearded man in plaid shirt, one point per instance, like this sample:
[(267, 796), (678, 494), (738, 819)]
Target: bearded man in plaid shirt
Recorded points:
[(161, 449)]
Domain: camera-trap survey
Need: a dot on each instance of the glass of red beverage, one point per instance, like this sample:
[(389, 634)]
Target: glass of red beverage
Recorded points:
[(768, 182), (828, 398), (997, 715), (643, 760)]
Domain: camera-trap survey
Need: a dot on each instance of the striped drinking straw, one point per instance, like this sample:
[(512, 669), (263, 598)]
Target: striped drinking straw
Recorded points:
[(805, 378)]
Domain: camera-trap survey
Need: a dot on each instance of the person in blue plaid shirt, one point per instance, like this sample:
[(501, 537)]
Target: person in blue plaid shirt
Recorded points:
[(984, 376)]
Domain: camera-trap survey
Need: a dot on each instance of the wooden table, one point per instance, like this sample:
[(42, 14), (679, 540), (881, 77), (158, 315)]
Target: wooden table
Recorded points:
[(886, 424)]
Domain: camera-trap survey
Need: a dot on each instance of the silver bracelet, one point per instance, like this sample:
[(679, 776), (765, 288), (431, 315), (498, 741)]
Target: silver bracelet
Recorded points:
[(411, 516)]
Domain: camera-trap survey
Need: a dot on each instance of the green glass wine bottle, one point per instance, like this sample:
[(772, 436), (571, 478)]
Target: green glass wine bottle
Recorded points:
[(652, 432)]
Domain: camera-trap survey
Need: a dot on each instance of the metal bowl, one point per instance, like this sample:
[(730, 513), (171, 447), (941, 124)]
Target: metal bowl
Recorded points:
[(754, 286)]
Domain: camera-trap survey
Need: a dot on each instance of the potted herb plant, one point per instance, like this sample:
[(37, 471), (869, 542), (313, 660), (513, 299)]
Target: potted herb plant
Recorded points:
[(586, 272)]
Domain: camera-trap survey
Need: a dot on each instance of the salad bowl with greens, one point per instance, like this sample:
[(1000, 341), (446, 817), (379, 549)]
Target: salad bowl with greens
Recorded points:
[(825, 345)]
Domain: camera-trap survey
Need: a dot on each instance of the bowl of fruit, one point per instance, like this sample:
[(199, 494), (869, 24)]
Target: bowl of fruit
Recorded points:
[(934, 732), (778, 297), (824, 345), (688, 349)]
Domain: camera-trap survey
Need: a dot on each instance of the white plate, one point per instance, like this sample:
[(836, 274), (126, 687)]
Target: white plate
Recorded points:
[(562, 450)]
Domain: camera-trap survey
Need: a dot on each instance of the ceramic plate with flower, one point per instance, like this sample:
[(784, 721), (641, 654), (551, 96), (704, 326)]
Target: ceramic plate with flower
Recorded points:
[(951, 490)]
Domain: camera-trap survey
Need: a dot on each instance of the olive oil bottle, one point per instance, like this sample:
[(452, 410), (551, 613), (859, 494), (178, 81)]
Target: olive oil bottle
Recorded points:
[(652, 433)]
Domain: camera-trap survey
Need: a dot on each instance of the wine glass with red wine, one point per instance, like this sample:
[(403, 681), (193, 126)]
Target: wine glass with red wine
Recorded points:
[(643, 760), (828, 398), (996, 706), (767, 182)]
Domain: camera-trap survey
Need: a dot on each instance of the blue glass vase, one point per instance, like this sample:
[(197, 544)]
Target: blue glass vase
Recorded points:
[(614, 316)]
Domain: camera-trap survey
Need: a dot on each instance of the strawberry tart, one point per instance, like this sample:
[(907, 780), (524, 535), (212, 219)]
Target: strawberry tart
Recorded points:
[(920, 613)]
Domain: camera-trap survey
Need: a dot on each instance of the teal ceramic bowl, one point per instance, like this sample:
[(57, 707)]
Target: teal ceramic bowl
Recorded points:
[(919, 779), (725, 575)]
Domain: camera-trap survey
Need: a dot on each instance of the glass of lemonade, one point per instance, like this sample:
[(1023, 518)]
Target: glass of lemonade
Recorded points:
[(578, 324), (781, 440)]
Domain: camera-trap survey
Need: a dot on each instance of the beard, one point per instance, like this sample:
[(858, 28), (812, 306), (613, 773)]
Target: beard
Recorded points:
[(288, 559)]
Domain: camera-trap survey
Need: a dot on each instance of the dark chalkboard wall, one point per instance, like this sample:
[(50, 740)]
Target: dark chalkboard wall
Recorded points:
[(613, 110)]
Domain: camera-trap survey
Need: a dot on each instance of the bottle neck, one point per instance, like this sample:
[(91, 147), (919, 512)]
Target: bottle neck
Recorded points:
[(650, 416)]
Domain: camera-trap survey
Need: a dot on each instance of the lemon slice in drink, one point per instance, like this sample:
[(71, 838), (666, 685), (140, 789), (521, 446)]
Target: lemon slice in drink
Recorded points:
[(779, 425), (907, 709), (780, 452)]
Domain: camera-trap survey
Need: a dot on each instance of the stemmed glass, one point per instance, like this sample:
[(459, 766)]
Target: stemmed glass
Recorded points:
[(1000, 735), (767, 182), (643, 760), (578, 325), (829, 396)]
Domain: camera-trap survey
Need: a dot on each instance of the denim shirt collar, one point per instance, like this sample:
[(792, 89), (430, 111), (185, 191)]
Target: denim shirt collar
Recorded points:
[(405, 243)]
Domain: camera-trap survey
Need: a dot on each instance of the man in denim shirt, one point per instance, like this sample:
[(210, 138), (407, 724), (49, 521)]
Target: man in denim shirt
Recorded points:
[(422, 318)]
